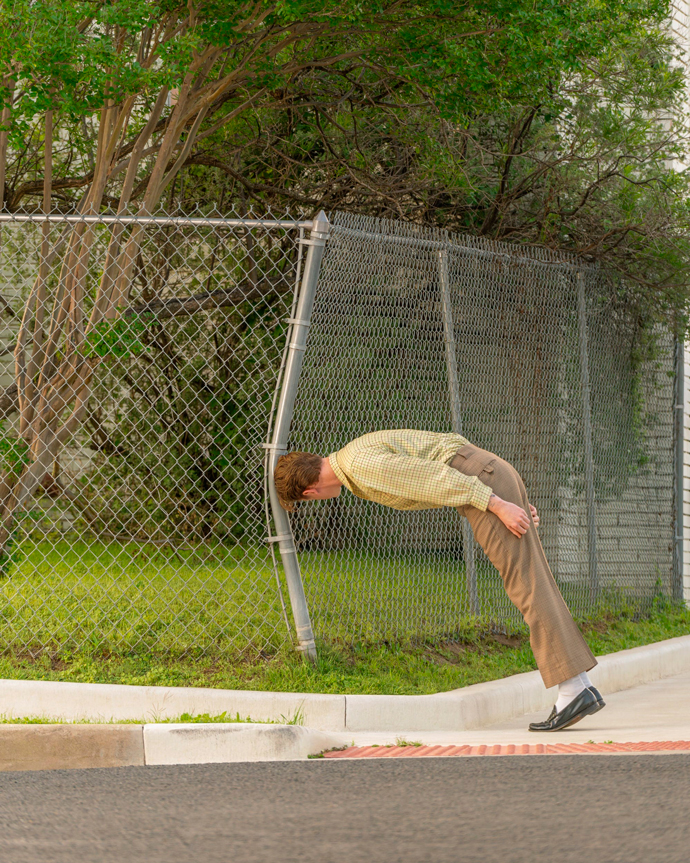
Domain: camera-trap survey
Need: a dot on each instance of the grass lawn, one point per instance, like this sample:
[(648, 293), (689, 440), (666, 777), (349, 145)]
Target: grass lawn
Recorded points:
[(367, 668), (112, 613), (69, 595)]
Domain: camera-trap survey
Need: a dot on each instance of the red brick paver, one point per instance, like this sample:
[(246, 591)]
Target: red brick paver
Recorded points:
[(507, 749)]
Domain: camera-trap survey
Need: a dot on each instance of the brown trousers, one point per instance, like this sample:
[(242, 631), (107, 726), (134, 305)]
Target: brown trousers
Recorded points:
[(559, 648)]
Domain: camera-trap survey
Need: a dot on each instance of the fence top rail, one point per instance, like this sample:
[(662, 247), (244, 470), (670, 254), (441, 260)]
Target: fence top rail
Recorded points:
[(453, 244), (186, 221)]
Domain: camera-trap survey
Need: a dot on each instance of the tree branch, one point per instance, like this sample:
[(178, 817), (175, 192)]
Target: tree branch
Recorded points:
[(209, 300)]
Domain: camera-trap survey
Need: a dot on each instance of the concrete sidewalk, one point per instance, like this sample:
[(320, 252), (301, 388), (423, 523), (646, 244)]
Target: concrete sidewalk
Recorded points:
[(659, 710), (652, 712)]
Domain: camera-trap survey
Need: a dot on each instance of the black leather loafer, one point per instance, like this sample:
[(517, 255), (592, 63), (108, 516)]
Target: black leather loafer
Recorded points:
[(597, 695), (585, 704)]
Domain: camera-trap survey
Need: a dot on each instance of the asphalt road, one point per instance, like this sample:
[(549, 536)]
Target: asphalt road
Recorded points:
[(598, 809)]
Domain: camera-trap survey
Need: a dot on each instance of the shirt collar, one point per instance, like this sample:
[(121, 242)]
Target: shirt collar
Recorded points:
[(337, 470)]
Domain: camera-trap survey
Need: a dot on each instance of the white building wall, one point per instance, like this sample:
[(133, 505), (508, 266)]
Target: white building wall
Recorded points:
[(681, 29), (685, 563)]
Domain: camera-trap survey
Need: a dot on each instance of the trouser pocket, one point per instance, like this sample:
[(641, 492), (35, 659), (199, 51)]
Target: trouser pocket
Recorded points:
[(473, 461)]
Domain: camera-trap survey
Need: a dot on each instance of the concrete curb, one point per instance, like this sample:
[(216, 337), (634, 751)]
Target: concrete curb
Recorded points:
[(460, 710), (187, 743), (57, 747), (106, 702), (61, 747), (499, 700)]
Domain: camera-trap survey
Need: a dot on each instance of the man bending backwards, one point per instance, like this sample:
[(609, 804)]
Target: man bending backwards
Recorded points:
[(408, 469)]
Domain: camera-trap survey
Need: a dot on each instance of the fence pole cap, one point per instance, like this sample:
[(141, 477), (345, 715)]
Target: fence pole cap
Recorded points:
[(321, 223)]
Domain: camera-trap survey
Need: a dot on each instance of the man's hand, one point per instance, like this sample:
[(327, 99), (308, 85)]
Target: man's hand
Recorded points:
[(535, 515), (513, 517)]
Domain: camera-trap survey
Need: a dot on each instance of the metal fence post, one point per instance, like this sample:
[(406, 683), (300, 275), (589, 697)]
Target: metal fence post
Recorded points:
[(281, 429), (456, 418), (587, 428), (678, 485)]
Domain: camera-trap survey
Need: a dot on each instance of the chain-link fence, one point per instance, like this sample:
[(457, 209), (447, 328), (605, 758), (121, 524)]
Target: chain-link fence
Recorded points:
[(142, 361), (134, 416), (528, 355)]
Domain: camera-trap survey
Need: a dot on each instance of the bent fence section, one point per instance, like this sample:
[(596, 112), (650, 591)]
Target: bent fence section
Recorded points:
[(143, 361)]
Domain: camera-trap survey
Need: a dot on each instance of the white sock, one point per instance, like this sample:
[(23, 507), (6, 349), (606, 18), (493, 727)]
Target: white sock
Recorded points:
[(570, 689)]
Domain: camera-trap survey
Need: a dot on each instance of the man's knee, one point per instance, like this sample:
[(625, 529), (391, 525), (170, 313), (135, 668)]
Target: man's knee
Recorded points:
[(520, 482), (501, 466), (512, 475)]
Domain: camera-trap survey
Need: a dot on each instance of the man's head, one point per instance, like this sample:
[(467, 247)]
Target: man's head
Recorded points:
[(303, 476)]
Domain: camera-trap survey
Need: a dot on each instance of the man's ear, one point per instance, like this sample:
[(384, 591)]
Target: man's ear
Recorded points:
[(310, 492)]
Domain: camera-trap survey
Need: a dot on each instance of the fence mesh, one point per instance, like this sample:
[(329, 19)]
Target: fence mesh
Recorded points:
[(377, 359), (146, 529), (138, 372)]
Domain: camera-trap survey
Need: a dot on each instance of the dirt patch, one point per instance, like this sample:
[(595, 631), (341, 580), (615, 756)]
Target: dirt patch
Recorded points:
[(456, 649), (508, 640), (600, 626), (455, 652), (57, 664)]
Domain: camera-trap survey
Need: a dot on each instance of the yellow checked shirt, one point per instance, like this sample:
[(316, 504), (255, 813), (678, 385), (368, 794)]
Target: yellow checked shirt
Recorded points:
[(407, 469)]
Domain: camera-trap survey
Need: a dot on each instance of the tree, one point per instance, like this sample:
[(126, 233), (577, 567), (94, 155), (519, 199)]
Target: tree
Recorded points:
[(136, 87), (153, 73), (581, 153)]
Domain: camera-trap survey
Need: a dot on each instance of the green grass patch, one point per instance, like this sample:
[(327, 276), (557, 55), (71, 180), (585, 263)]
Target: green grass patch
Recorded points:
[(184, 717), (68, 595), (224, 717), (101, 612), (377, 597), (413, 668)]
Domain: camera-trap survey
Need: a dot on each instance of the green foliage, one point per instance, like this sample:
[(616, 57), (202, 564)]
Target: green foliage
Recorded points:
[(14, 456), (499, 48), (10, 555), (121, 337), (531, 121), (545, 131), (181, 405), (14, 453), (188, 416)]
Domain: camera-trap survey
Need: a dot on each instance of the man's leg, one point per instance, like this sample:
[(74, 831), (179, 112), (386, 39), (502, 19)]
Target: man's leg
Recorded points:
[(559, 648)]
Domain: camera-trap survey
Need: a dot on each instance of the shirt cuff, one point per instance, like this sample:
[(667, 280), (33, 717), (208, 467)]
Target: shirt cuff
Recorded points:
[(481, 496)]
